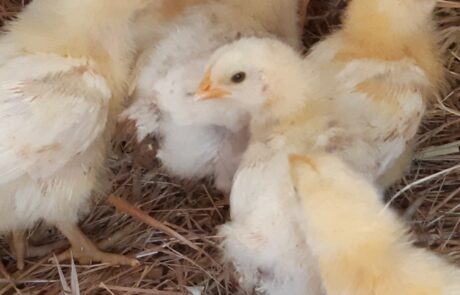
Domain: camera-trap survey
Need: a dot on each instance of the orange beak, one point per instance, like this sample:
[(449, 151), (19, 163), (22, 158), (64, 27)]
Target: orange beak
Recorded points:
[(206, 91)]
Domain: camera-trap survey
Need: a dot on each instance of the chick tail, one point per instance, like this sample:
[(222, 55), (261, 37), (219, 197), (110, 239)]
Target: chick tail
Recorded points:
[(391, 30)]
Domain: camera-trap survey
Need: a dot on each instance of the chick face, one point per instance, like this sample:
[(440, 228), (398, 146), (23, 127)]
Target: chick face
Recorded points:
[(232, 78), (251, 74), (239, 74)]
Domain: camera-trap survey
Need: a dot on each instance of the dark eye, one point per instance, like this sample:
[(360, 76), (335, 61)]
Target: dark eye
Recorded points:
[(239, 77)]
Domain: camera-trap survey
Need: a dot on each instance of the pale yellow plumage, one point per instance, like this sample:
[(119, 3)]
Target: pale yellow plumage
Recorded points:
[(361, 246), (360, 95), (64, 66)]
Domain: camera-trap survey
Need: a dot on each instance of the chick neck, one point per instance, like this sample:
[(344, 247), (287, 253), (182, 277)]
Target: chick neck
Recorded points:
[(286, 101)]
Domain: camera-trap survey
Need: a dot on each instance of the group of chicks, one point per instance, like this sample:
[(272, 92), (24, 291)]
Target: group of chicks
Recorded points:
[(301, 143)]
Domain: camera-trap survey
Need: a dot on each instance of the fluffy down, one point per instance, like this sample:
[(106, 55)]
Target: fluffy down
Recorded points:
[(43, 135), (361, 246), (214, 137), (63, 72), (262, 239), (360, 97)]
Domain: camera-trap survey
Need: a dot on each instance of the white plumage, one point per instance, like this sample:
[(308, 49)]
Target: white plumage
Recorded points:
[(202, 140), (41, 113), (63, 72), (37, 99), (262, 239)]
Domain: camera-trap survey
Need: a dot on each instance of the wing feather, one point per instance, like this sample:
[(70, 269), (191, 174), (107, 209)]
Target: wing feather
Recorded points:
[(51, 109)]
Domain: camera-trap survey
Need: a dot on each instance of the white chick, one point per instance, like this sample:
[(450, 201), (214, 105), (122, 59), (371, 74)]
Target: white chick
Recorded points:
[(63, 72), (266, 79), (316, 105), (150, 27), (361, 246), (202, 140)]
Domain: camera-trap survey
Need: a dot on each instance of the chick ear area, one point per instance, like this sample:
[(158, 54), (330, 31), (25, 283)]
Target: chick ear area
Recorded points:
[(264, 80)]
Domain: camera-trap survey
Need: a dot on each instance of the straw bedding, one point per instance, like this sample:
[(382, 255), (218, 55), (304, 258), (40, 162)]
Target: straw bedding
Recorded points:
[(428, 197)]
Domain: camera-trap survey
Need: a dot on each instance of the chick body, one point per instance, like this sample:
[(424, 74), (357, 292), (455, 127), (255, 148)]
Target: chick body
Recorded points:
[(361, 246), (167, 83), (63, 67), (262, 238)]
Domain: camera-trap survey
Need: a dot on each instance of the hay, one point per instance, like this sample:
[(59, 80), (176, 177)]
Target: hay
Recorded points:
[(429, 201)]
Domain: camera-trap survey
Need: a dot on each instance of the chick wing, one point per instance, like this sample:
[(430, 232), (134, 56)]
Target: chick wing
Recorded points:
[(49, 113)]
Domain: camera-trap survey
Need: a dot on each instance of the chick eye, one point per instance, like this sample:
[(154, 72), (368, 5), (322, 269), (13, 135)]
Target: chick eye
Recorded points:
[(239, 77)]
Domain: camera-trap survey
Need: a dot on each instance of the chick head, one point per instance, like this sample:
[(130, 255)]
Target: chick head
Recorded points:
[(251, 74)]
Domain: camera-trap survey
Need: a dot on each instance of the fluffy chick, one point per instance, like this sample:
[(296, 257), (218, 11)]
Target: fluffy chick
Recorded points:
[(63, 72), (363, 106), (361, 246), (382, 66), (202, 140), (266, 79)]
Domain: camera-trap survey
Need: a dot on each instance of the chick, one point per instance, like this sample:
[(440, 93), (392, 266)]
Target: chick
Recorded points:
[(361, 246), (316, 104), (63, 72), (202, 140), (383, 72), (266, 79)]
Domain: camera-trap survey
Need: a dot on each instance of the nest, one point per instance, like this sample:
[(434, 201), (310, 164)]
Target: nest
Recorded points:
[(185, 258)]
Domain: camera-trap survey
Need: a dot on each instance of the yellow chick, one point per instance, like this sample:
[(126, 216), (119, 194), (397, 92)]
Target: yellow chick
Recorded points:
[(63, 71), (360, 97), (361, 246), (380, 67)]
